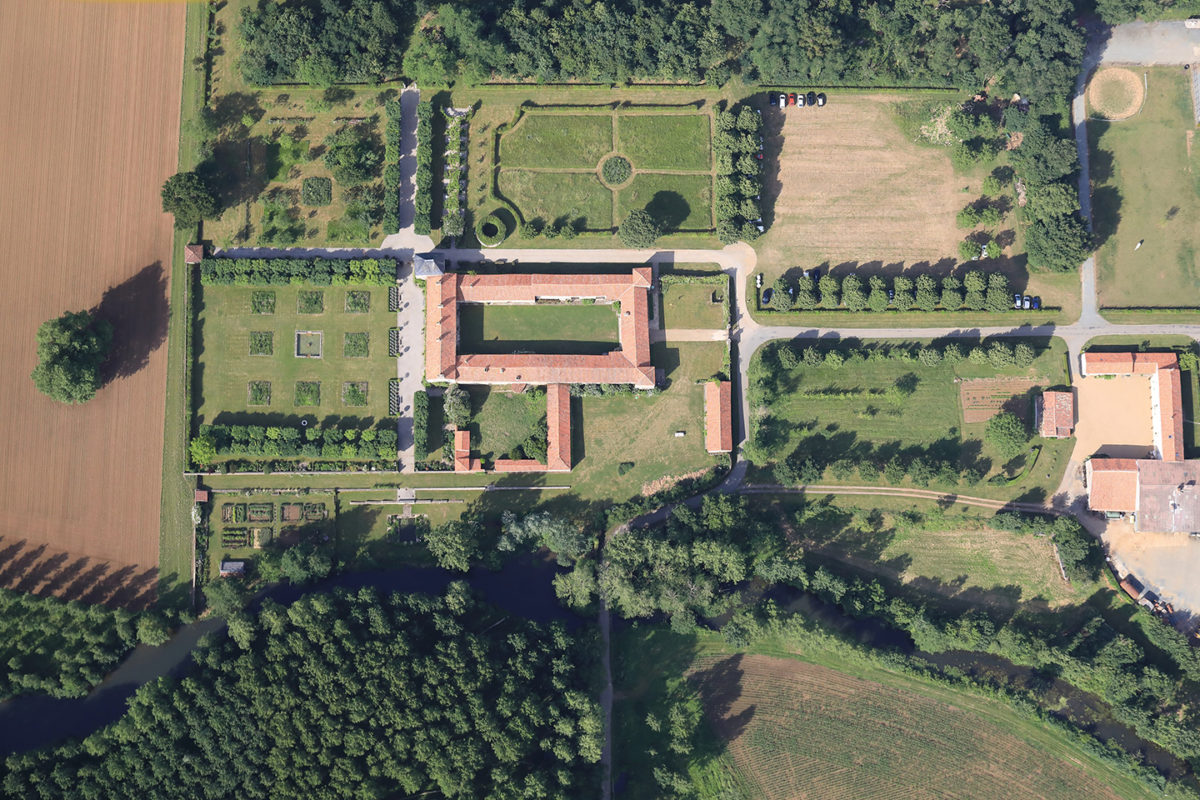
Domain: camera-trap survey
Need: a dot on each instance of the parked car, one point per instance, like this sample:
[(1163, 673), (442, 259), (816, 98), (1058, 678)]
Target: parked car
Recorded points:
[(758, 224), (781, 99), (1028, 302), (812, 98), (759, 155), (1037, 303), (800, 99), (891, 295), (791, 99), (821, 99), (1016, 301), (767, 295)]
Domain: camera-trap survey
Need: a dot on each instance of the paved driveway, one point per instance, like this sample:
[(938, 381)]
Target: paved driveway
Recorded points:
[(1153, 43)]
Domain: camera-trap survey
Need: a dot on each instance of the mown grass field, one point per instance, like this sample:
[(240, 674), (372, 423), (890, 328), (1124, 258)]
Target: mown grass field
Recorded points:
[(225, 366), (573, 328), (557, 141), (792, 721), (674, 142), (579, 197), (1146, 188), (690, 306), (678, 202), (891, 408)]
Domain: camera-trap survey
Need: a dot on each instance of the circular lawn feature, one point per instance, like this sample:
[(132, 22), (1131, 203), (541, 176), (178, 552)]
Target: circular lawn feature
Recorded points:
[(491, 230), (616, 170), (1116, 93)]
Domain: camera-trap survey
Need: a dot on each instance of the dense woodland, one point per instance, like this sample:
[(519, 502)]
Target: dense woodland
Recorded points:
[(348, 695), (1027, 46), (63, 649)]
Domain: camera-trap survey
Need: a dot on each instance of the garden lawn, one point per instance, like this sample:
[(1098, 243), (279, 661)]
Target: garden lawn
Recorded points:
[(677, 202), (690, 306), (640, 430), (1146, 188), (874, 422), (562, 141), (503, 420), (662, 141), (566, 328), (549, 196), (224, 366)]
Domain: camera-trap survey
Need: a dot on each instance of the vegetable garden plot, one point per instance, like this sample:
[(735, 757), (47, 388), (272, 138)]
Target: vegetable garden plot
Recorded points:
[(983, 398)]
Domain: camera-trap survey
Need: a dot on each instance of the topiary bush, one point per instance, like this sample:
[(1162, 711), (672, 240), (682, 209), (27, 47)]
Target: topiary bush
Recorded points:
[(491, 230), (616, 170)]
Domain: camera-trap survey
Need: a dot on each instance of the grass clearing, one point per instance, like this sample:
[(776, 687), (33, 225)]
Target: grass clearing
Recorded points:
[(666, 141), (687, 306), (542, 328), (1146, 188), (677, 202), (224, 366), (501, 421), (875, 411), (558, 141), (577, 197)]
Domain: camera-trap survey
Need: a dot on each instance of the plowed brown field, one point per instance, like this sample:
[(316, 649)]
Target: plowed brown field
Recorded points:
[(798, 730), (89, 130)]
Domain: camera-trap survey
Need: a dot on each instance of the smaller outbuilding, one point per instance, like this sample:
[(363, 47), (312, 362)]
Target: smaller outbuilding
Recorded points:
[(233, 568), (1055, 413), (718, 417), (193, 253), (462, 452), (201, 496)]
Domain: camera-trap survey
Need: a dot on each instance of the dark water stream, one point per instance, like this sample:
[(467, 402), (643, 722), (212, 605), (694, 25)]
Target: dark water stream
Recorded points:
[(30, 722)]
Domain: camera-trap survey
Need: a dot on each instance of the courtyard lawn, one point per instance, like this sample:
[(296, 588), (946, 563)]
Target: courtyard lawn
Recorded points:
[(873, 411), (663, 141), (557, 141), (501, 421), (565, 328), (225, 368), (677, 202), (576, 197), (1146, 188), (640, 430), (690, 306)]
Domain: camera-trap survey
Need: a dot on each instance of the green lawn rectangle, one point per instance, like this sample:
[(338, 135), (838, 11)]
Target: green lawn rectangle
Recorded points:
[(557, 140), (665, 141), (555, 195), (503, 420), (225, 368), (678, 202), (567, 328), (1146, 189), (690, 306)]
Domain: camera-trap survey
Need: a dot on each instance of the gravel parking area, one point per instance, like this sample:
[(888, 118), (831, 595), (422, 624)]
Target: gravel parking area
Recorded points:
[(1165, 563)]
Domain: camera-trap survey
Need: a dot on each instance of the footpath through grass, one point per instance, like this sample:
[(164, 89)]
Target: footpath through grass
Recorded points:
[(1146, 179)]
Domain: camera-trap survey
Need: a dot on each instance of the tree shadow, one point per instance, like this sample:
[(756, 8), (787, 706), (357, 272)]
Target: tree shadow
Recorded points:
[(1106, 213), (669, 209), (138, 312), (720, 687)]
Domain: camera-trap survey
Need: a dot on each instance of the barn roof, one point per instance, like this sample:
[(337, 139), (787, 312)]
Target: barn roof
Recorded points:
[(718, 417)]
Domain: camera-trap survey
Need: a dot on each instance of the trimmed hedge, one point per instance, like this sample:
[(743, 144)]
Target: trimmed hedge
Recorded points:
[(424, 178), (736, 149), (977, 291), (391, 169), (421, 426), (339, 442), (298, 271)]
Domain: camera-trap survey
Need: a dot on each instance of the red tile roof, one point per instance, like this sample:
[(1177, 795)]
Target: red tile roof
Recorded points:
[(629, 364), (518, 465), (193, 253), (718, 419), (1058, 414), (1112, 484), (462, 452), (558, 419)]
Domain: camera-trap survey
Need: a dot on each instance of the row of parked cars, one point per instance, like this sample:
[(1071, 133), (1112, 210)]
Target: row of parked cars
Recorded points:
[(799, 99), (1027, 302)]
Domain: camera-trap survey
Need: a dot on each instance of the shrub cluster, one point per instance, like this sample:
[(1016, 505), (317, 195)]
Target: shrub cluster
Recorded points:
[(424, 179), (737, 146), (977, 291), (335, 442), (298, 271), (616, 170), (391, 169), (421, 425), (453, 221), (316, 191)]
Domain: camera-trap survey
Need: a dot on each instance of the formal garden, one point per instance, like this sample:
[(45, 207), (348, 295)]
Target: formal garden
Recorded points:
[(939, 414)]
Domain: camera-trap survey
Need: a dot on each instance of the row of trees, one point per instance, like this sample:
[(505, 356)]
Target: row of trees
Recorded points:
[(62, 648), (349, 695), (997, 353), (737, 149), (977, 291), (339, 442), (423, 221), (298, 271), (391, 168)]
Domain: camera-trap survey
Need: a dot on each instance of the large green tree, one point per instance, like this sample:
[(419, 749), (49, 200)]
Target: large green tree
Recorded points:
[(70, 350), (189, 198), (639, 229), (351, 156)]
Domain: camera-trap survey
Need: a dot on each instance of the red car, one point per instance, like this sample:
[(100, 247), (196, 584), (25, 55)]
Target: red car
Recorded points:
[(791, 98)]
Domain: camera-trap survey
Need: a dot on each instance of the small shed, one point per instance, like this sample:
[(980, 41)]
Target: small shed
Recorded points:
[(1055, 413), (193, 253), (1132, 587), (427, 266), (201, 496), (232, 568)]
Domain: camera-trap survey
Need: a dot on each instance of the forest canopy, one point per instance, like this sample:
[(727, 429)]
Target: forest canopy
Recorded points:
[(348, 695)]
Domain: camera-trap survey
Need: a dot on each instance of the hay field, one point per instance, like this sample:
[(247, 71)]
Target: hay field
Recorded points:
[(91, 98), (850, 187), (798, 730)]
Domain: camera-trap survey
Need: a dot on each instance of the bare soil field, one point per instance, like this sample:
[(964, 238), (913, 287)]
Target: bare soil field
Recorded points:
[(851, 187), (1114, 417), (798, 730), (91, 97), (983, 398)]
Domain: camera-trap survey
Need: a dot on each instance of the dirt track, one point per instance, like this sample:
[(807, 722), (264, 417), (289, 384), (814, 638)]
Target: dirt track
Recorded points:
[(89, 131)]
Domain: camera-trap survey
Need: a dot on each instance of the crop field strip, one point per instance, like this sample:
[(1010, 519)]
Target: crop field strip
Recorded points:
[(85, 482), (549, 167), (802, 730)]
